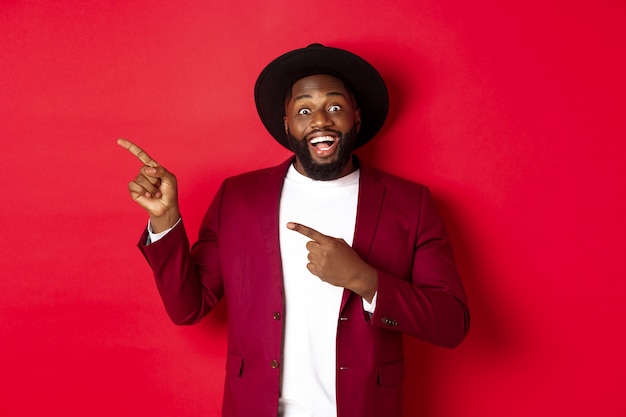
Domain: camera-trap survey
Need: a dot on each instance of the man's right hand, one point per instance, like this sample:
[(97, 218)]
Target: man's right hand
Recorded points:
[(154, 189)]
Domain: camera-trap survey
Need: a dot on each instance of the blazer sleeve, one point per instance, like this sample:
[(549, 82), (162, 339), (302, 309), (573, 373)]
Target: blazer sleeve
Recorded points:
[(430, 304), (189, 281)]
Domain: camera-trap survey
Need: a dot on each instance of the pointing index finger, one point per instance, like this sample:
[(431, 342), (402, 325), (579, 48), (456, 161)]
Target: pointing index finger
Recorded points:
[(138, 152), (306, 231)]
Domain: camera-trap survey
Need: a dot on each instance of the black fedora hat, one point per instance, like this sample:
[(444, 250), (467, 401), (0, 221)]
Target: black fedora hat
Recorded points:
[(357, 74)]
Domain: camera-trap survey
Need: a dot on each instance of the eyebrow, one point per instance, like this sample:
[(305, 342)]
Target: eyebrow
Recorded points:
[(330, 94)]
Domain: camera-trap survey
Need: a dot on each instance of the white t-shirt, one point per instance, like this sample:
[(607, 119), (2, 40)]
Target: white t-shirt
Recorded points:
[(312, 305)]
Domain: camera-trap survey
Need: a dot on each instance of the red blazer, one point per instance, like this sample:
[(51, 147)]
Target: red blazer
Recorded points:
[(237, 255)]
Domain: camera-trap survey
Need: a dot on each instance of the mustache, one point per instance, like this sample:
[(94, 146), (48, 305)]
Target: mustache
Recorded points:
[(323, 131)]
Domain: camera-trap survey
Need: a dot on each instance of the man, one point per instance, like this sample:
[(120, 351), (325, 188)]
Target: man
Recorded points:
[(325, 263)]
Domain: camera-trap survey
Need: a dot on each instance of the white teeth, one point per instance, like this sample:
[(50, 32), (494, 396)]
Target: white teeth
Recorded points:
[(322, 139)]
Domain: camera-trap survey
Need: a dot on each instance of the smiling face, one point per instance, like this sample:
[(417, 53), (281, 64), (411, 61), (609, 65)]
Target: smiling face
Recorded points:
[(321, 121)]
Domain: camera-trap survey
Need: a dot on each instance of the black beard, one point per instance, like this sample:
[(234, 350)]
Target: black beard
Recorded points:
[(330, 170)]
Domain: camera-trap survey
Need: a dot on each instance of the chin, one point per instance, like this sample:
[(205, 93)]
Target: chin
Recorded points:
[(326, 169)]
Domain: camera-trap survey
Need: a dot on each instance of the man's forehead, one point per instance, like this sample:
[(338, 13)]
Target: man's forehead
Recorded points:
[(314, 84)]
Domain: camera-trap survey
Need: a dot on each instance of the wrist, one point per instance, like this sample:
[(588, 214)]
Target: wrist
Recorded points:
[(367, 285), (164, 222)]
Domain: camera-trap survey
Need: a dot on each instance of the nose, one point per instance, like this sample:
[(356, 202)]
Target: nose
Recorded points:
[(320, 120)]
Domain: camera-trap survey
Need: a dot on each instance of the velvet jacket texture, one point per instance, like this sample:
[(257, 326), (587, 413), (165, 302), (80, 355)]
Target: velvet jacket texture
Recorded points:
[(237, 256)]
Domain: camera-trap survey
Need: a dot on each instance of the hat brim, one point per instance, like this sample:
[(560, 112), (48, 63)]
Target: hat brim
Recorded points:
[(361, 78)]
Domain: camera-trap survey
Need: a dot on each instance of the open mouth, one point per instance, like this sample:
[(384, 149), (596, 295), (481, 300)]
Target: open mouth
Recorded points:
[(323, 143)]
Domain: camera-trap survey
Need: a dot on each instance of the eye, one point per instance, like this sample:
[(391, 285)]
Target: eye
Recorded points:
[(304, 111), (334, 107)]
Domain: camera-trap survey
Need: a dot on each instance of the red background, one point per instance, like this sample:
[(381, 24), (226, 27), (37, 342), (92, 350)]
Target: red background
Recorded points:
[(512, 114)]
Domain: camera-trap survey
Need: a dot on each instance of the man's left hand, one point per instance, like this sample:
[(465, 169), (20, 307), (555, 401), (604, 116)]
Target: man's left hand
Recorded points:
[(334, 261)]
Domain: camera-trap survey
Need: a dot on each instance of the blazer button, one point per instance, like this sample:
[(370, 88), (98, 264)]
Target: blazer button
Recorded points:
[(389, 322), (277, 316), (274, 364)]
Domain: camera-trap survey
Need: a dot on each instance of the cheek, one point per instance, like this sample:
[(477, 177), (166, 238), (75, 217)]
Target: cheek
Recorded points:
[(346, 122), (294, 127)]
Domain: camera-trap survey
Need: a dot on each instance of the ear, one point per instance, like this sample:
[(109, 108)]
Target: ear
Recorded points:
[(286, 125), (357, 120)]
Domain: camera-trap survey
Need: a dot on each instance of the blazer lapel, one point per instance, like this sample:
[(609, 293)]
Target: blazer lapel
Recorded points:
[(371, 195), (266, 200)]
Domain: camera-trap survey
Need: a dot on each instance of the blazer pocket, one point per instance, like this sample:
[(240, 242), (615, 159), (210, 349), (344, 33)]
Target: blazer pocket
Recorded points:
[(391, 373), (234, 365)]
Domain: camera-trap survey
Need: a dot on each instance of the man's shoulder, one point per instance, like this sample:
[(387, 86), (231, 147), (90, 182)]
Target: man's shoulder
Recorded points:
[(378, 175), (251, 178)]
